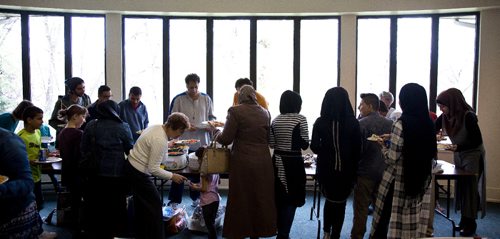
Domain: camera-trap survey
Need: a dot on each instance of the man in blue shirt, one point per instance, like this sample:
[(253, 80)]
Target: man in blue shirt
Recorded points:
[(134, 112)]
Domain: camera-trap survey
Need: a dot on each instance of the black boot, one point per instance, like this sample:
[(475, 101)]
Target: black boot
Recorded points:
[(469, 228)]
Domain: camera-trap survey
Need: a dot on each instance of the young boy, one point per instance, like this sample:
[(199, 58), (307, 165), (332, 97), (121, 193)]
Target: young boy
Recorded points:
[(33, 119)]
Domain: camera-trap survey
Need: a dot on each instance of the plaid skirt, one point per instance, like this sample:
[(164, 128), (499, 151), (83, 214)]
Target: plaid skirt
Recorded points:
[(27, 224)]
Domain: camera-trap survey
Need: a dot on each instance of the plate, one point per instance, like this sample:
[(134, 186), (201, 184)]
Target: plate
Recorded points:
[(186, 141), (3, 179), (443, 146), (375, 138), (47, 139), (61, 125), (49, 160), (211, 123)]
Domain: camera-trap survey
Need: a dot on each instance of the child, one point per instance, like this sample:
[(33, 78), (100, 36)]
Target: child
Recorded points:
[(209, 198), (33, 119)]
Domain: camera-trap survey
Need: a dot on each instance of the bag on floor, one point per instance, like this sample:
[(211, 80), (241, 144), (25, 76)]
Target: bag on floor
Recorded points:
[(197, 223), (175, 219)]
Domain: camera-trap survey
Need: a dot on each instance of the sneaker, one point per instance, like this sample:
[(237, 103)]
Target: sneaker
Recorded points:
[(195, 203), (47, 235)]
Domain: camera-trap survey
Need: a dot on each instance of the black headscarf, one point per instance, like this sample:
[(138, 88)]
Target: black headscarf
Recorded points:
[(336, 105), (108, 110), (290, 102), (419, 147)]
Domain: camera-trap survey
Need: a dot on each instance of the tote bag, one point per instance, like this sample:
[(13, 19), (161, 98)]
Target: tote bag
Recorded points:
[(215, 159)]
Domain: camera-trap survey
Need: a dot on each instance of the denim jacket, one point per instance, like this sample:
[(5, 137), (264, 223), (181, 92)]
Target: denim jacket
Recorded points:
[(113, 140)]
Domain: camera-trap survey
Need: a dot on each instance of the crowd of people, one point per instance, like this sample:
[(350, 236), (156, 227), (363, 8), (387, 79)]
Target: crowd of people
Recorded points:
[(110, 151)]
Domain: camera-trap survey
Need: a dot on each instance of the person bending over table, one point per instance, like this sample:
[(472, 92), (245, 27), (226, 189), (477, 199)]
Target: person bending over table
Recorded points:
[(143, 162), (460, 123)]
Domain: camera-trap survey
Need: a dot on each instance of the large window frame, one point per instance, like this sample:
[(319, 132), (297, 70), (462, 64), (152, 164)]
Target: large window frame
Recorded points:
[(434, 56), (27, 77)]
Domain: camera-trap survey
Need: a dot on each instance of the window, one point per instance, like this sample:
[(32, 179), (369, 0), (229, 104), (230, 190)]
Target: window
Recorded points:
[(88, 52), (274, 60), (188, 53), (318, 64), (457, 36), (11, 88), (373, 56), (144, 63), (413, 57), (46, 36), (231, 61), (413, 53)]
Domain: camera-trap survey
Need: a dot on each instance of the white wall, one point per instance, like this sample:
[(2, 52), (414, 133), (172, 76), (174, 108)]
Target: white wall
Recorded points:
[(489, 54)]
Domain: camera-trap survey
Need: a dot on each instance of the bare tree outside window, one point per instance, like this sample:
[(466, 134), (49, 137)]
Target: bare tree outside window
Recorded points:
[(11, 86)]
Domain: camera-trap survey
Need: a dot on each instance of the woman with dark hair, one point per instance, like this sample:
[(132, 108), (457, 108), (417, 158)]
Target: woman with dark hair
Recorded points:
[(69, 147), (404, 195), (289, 134), (336, 139), (460, 123), (108, 139), (251, 209)]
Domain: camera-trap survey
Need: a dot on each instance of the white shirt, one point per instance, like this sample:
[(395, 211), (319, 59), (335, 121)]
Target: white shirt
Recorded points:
[(148, 152)]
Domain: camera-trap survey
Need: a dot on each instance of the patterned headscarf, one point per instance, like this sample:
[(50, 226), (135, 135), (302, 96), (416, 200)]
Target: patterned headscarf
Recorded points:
[(247, 95), (457, 106)]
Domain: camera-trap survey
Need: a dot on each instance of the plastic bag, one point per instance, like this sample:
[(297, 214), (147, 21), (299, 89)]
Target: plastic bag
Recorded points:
[(197, 223), (175, 219)]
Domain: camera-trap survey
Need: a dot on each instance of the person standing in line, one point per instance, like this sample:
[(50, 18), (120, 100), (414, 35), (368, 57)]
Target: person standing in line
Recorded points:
[(198, 107), (33, 119), (103, 93), (460, 123), (69, 147), (143, 162), (403, 199), (19, 217), (388, 99), (134, 112), (245, 81), (371, 164), (336, 140), (76, 95), (108, 139), (288, 136), (251, 208), (9, 121)]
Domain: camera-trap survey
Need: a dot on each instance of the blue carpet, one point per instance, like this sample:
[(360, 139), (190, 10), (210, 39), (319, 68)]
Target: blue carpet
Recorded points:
[(303, 228)]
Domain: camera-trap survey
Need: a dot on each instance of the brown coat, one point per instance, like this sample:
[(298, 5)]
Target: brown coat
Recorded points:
[(250, 211)]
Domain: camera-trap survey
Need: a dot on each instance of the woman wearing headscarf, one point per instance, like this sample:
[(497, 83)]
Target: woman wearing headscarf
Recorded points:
[(403, 196), (289, 135), (336, 139), (108, 138), (251, 209), (460, 123)]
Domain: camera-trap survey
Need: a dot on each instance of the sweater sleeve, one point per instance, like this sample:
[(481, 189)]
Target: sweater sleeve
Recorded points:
[(473, 133), (156, 153)]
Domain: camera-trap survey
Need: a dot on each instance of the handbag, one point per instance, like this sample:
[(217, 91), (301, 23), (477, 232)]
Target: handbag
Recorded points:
[(215, 159)]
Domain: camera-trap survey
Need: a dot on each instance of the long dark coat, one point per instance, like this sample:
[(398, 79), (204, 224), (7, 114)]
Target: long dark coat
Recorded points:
[(251, 209)]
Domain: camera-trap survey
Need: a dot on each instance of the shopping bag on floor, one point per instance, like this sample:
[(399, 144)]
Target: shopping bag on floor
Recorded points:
[(197, 223), (175, 219)]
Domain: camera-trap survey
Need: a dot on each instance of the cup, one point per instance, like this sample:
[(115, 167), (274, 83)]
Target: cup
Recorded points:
[(43, 155)]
